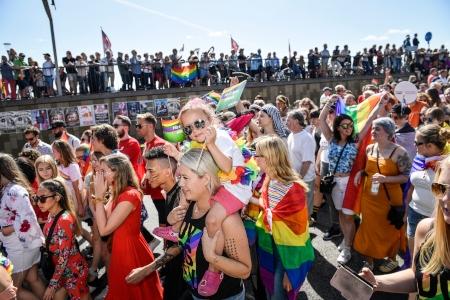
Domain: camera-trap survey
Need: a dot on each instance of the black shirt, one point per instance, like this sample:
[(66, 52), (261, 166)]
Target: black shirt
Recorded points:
[(70, 70), (242, 57)]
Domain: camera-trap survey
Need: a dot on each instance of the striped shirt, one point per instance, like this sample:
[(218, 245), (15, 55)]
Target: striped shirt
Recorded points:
[(277, 191)]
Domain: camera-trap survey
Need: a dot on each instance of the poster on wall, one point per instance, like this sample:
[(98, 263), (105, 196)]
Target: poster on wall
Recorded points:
[(7, 123), (134, 109), (71, 116), (120, 109), (183, 101), (55, 114), (39, 119), (147, 107), (86, 113), (174, 106), (22, 119), (161, 108), (101, 114)]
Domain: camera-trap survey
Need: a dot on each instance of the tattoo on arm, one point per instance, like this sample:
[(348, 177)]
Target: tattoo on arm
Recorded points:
[(230, 249), (404, 163), (161, 261)]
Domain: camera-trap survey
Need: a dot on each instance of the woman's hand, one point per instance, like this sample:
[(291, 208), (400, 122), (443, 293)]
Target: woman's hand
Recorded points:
[(101, 186), (333, 98), (136, 275), (177, 214), (210, 136), (358, 176), (287, 283), (368, 276), (377, 177), (234, 81), (49, 294), (209, 245), (81, 210), (171, 150)]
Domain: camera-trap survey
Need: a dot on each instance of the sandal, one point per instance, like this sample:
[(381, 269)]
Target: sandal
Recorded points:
[(210, 283), (166, 233)]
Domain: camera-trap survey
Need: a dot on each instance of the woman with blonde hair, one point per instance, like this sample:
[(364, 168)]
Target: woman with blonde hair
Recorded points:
[(431, 265), (424, 97), (308, 103)]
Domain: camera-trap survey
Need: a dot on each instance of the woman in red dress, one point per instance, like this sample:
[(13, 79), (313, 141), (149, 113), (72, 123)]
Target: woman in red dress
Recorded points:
[(121, 217)]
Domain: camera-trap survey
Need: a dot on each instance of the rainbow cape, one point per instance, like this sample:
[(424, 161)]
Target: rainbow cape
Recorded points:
[(172, 131), (287, 226), (184, 74), (212, 97)]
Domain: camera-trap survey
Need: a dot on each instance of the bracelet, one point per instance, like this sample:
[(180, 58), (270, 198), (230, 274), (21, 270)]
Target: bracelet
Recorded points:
[(97, 200)]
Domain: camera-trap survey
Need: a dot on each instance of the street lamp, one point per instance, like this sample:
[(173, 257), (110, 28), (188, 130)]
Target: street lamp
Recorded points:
[(7, 47)]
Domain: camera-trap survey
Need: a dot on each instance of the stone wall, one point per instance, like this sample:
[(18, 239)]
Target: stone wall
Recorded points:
[(312, 88)]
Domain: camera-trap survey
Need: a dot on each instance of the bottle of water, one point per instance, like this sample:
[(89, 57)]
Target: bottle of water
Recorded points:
[(374, 188)]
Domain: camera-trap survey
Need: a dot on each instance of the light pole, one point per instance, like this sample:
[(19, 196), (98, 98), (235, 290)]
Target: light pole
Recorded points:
[(7, 47), (58, 79)]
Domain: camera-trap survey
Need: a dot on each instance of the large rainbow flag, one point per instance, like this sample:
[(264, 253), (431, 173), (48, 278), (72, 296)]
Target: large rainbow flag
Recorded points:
[(172, 131), (184, 74), (287, 226)]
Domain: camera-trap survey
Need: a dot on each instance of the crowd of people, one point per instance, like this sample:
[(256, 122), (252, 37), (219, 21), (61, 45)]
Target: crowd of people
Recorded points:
[(251, 180), (81, 74)]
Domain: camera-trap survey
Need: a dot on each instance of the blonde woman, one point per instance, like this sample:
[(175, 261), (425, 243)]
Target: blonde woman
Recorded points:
[(307, 103)]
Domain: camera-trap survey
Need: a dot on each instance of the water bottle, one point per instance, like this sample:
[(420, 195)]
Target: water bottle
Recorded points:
[(374, 188)]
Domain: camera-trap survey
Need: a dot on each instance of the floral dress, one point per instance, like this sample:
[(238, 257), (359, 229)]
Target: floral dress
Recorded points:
[(71, 269)]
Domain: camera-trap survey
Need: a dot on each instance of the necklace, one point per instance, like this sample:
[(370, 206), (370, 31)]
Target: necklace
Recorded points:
[(196, 210)]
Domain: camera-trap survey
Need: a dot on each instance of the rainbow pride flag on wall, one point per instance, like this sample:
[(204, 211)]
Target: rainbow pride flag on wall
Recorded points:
[(287, 226), (172, 131), (184, 74)]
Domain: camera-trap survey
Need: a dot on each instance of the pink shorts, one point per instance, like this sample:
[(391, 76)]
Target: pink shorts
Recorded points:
[(228, 201)]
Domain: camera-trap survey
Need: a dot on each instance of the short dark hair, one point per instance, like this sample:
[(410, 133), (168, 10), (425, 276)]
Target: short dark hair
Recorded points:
[(164, 160), (125, 120), (107, 134), (148, 117), (27, 168), (31, 129), (314, 113)]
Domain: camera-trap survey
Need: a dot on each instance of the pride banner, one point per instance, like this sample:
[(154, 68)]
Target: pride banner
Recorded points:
[(184, 74), (172, 131)]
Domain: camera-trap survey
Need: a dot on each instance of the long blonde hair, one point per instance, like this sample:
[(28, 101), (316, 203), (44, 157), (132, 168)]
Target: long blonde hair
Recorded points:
[(278, 162), (124, 174), (434, 255), (51, 162)]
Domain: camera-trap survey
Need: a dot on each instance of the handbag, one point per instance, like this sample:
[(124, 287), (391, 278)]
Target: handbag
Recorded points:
[(350, 284), (327, 182), (46, 263), (396, 213)]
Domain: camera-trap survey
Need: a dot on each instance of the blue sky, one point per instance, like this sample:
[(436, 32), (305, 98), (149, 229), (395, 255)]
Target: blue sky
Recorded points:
[(151, 26)]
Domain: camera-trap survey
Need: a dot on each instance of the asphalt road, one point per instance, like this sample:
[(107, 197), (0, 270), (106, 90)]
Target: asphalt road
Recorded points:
[(317, 285)]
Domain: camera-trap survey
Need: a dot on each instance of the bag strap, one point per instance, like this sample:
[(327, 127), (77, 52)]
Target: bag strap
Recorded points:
[(379, 171), (50, 233), (339, 159)]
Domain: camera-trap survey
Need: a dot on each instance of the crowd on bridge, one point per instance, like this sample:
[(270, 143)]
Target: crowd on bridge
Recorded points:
[(251, 180)]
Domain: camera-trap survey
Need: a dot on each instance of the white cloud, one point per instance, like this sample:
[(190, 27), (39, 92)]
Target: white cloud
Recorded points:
[(396, 31), (218, 33), (375, 38)]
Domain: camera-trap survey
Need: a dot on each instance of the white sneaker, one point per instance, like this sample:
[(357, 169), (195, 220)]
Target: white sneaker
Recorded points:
[(341, 245), (153, 244), (344, 257)]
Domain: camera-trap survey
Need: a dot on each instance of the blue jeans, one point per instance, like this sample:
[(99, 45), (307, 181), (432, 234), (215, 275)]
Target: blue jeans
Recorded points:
[(412, 221), (366, 67), (240, 296), (136, 80), (398, 64), (83, 83), (370, 68), (279, 293), (296, 71)]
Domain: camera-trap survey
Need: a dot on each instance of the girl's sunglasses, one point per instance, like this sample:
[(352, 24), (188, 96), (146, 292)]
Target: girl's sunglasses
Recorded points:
[(199, 124), (439, 189), (346, 126), (41, 199), (428, 120)]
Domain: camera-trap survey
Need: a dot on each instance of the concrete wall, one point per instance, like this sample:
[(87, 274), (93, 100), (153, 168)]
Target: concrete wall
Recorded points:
[(312, 88)]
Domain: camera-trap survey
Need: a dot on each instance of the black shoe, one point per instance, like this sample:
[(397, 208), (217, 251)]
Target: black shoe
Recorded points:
[(331, 233)]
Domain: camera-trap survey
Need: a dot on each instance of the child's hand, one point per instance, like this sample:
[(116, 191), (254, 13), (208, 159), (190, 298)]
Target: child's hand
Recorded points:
[(210, 136), (171, 150)]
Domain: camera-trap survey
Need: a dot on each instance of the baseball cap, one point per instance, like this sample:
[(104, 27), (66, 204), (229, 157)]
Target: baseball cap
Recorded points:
[(57, 124), (46, 54), (326, 89)]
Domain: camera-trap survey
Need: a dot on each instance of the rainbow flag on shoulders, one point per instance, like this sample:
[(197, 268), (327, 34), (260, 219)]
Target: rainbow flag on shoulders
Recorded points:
[(184, 74), (172, 131)]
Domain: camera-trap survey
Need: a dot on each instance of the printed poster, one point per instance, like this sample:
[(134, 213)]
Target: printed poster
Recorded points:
[(71, 116), (39, 119), (134, 109), (120, 109), (101, 114), (86, 113), (230, 96), (22, 119), (55, 114), (147, 107), (7, 123), (183, 101), (174, 106), (161, 108)]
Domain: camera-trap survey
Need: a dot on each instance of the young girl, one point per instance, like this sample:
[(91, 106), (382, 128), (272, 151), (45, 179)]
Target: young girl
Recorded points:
[(197, 120), (45, 169)]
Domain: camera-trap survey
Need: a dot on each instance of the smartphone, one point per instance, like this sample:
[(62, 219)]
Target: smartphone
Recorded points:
[(351, 285)]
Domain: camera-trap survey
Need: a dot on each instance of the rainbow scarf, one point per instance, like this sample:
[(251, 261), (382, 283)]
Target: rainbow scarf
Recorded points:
[(287, 226), (184, 74)]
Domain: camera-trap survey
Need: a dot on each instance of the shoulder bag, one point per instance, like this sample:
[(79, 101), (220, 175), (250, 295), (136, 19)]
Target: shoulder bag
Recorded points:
[(327, 182)]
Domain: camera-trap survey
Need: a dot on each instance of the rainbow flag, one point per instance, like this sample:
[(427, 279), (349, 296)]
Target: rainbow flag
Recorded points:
[(184, 74), (212, 97), (287, 226), (65, 137), (87, 161), (172, 131), (374, 82)]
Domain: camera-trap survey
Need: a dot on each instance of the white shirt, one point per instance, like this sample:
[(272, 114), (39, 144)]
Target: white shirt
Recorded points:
[(324, 145), (301, 146), (325, 52), (422, 198), (343, 52)]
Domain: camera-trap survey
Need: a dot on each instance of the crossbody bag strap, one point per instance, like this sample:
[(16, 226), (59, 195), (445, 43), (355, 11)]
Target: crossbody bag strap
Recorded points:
[(339, 159), (379, 171), (50, 233)]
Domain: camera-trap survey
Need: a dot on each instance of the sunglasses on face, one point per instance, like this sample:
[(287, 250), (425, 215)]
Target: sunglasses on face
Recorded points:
[(199, 124), (83, 140), (418, 143), (428, 120), (339, 91), (138, 126), (439, 189), (394, 117), (346, 126), (41, 199), (331, 111), (117, 125), (31, 139), (422, 115)]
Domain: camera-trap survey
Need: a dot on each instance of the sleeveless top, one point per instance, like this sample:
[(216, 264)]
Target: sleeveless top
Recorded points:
[(195, 264), (347, 159)]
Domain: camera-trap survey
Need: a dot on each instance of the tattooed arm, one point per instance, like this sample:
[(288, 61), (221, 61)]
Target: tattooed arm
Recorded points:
[(238, 263), (403, 161), (138, 274)]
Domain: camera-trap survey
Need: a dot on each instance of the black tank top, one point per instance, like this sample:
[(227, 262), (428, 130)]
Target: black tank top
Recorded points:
[(195, 264)]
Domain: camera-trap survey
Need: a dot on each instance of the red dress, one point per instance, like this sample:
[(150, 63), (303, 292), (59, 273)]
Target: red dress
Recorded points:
[(130, 251)]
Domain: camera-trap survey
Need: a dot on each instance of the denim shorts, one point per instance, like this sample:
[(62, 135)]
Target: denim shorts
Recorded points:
[(413, 220), (203, 73), (48, 80)]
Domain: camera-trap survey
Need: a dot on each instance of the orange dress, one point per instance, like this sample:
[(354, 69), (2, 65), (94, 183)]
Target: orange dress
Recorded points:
[(375, 236), (130, 251)]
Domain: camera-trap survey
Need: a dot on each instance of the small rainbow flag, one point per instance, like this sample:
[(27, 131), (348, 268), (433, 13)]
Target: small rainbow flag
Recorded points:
[(212, 97), (374, 82), (184, 74), (87, 160), (65, 137), (172, 131)]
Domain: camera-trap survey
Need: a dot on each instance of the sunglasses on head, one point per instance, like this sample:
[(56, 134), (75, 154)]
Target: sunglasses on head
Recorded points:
[(346, 126), (439, 189), (199, 124), (139, 126), (41, 199)]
